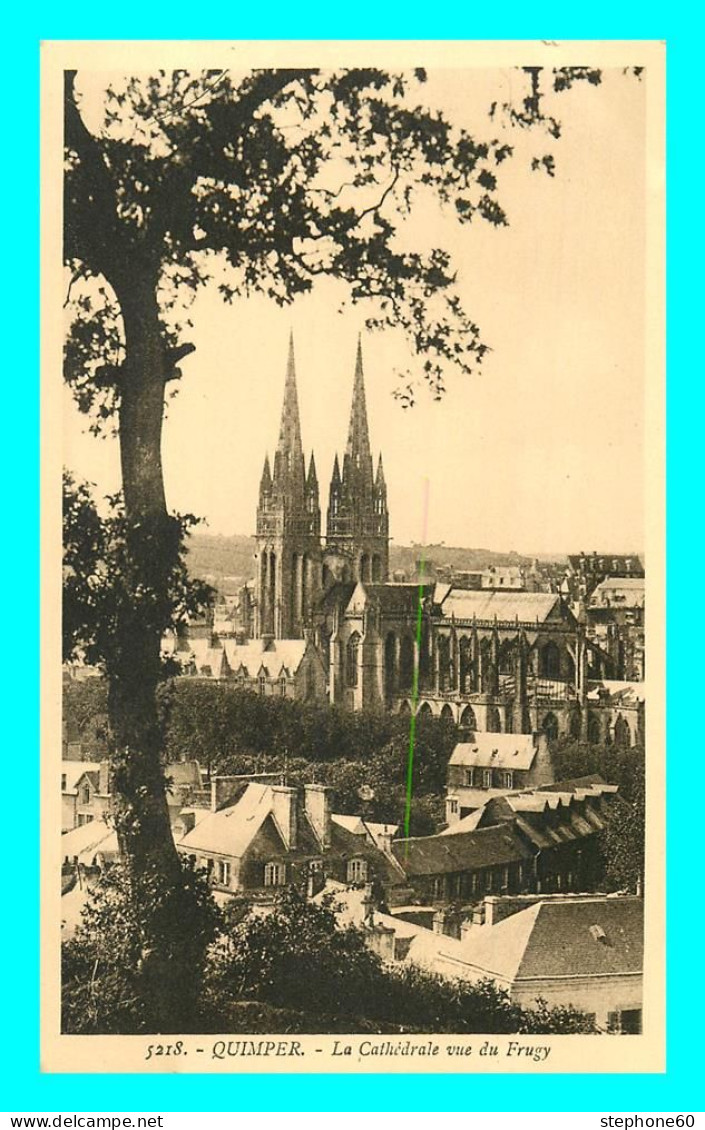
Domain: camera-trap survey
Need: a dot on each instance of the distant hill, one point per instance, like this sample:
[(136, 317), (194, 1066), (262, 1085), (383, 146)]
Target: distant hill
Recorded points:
[(227, 562)]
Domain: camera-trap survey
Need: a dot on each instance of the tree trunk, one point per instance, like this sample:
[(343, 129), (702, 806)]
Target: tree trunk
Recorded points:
[(151, 550)]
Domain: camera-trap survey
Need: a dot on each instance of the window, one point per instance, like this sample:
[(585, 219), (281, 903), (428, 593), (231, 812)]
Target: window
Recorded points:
[(357, 871), (438, 887), (315, 865), (262, 684), (86, 794), (223, 872), (452, 806), (505, 878), (508, 779), (489, 880), (351, 660), (282, 685), (63, 782), (274, 874), (470, 777), (487, 778), (473, 883)]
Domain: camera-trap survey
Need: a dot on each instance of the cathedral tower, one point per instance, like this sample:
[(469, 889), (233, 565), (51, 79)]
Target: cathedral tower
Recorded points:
[(288, 528), (357, 527)]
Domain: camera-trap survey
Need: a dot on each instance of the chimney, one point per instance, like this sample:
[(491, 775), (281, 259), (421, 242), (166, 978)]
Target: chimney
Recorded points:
[(284, 813), (317, 808), (104, 778)]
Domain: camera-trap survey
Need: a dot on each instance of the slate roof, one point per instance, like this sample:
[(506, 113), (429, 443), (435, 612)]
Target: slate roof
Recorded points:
[(230, 831), (496, 751), (486, 604), (562, 937), (460, 851), (259, 654), (393, 597)]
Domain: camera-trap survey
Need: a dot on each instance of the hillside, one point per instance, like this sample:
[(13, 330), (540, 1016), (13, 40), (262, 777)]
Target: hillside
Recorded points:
[(227, 562)]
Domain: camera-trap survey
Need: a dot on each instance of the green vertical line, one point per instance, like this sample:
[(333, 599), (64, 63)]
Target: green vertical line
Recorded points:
[(414, 703)]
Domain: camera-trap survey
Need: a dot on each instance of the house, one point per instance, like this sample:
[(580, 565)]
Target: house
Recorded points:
[(271, 835), (489, 764), (582, 951), (91, 794), (278, 668), (537, 841), (571, 950), (71, 773)]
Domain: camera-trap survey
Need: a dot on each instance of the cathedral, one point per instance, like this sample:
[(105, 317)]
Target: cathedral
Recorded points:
[(487, 660), (295, 565)]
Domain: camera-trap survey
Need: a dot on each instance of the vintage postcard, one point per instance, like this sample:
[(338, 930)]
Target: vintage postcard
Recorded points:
[(353, 509)]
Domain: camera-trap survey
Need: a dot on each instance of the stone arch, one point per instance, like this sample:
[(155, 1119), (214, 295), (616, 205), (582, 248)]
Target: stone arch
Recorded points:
[(549, 726), (352, 657), (622, 732), (447, 713), (404, 708), (425, 710), (494, 722), (390, 664), (467, 719), (550, 661), (406, 663)]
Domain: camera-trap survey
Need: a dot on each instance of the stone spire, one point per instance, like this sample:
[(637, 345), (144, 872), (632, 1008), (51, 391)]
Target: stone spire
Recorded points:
[(289, 457), (358, 452)]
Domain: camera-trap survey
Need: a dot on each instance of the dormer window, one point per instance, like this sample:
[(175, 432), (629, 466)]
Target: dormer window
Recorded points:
[(357, 871)]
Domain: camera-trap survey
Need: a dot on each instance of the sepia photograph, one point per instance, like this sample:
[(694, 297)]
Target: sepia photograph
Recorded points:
[(353, 477)]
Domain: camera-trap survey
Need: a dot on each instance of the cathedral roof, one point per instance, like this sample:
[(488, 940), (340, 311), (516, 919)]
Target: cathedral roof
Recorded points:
[(486, 604), (391, 597)]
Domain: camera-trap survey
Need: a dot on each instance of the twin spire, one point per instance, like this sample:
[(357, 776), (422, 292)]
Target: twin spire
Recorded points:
[(289, 456)]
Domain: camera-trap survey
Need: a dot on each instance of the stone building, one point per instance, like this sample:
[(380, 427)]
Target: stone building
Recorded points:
[(490, 659)]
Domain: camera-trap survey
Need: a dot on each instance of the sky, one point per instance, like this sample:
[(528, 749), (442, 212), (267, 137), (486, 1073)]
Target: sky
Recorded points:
[(543, 451)]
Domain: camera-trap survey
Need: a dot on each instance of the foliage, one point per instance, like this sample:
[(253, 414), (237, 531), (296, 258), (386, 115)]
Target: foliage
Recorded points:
[(618, 765), (298, 957), (99, 592), (109, 967), (623, 840)]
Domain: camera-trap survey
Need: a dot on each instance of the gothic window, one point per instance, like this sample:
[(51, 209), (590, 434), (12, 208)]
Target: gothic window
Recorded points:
[(390, 652), (352, 660), (622, 735), (550, 727), (406, 664), (494, 724), (550, 661)]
